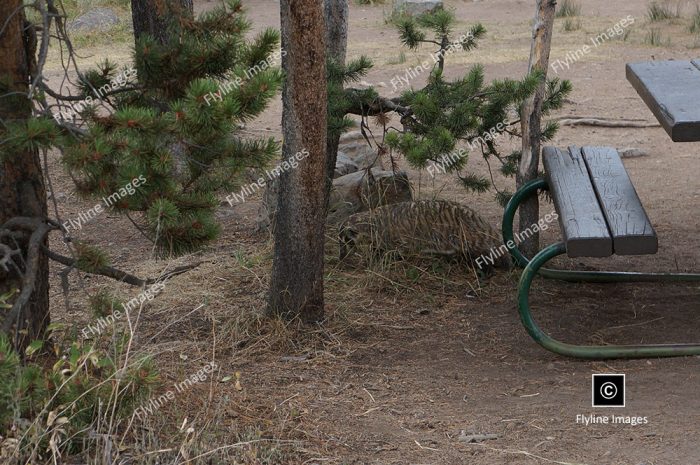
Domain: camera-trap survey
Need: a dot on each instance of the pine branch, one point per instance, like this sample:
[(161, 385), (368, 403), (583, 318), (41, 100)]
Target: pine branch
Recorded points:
[(378, 106), (116, 274)]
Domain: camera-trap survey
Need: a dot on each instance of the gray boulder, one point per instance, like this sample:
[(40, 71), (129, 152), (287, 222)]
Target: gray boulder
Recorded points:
[(361, 154), (344, 165), (97, 19), (365, 189), (417, 7), (352, 193)]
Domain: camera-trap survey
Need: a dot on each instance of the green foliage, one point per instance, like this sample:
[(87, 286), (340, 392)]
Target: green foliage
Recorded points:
[(89, 258), (67, 402), (450, 119), (395, 16), (568, 8), (29, 135), (340, 101), (412, 32), (103, 303), (167, 141)]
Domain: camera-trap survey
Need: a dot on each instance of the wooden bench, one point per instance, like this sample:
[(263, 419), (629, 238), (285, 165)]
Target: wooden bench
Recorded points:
[(600, 215), (599, 210)]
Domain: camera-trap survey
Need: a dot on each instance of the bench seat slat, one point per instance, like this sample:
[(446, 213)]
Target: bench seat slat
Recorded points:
[(629, 225), (580, 216)]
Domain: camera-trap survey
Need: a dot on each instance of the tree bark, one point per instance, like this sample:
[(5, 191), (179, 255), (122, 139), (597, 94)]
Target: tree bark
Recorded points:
[(22, 191), (336, 16), (531, 121), (296, 287), (150, 17)]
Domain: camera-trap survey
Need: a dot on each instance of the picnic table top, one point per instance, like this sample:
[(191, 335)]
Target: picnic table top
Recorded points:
[(671, 89)]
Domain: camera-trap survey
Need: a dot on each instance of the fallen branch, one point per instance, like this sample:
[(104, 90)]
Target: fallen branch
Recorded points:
[(39, 228), (557, 118), (606, 123), (107, 271), (118, 274)]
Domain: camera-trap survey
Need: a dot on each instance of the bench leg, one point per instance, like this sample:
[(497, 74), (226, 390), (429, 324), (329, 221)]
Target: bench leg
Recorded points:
[(535, 267), (586, 352)]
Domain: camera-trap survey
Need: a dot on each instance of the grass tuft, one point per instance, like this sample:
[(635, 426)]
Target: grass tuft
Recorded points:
[(570, 25), (694, 27), (655, 38), (568, 9), (657, 11)]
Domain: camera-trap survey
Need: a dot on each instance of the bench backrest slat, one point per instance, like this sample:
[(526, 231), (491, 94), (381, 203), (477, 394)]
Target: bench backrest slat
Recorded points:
[(580, 216), (628, 223)]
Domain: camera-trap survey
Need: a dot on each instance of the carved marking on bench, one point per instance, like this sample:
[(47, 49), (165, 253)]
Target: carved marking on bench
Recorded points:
[(580, 216), (627, 220)]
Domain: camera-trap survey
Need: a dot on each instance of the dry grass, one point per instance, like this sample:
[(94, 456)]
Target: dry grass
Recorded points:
[(662, 11), (229, 419), (247, 413), (568, 8), (694, 27)]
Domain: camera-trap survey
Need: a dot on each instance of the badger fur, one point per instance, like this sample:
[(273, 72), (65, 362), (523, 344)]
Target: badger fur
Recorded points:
[(426, 228)]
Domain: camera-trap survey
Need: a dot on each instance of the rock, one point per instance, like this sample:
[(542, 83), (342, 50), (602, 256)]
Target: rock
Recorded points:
[(344, 165), (474, 438), (417, 7), (352, 193), (60, 196), (97, 19), (365, 189), (361, 154), (348, 137), (632, 153)]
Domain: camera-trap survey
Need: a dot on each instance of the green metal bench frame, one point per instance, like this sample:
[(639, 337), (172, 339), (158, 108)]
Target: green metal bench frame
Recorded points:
[(535, 267)]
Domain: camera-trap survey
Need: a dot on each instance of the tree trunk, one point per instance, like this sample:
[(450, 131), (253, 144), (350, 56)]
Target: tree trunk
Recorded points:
[(296, 287), (531, 119), (336, 16), (150, 16), (22, 191)]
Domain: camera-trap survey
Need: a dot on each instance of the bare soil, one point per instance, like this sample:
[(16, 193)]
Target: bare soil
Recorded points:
[(411, 357)]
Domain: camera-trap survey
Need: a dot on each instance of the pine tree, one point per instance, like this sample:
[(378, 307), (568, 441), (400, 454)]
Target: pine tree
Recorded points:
[(22, 191), (159, 147), (296, 282), (446, 120)]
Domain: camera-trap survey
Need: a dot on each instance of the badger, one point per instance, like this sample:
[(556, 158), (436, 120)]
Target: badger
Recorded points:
[(425, 228)]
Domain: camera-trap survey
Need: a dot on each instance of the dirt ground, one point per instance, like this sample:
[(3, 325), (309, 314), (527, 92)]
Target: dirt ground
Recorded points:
[(410, 358)]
